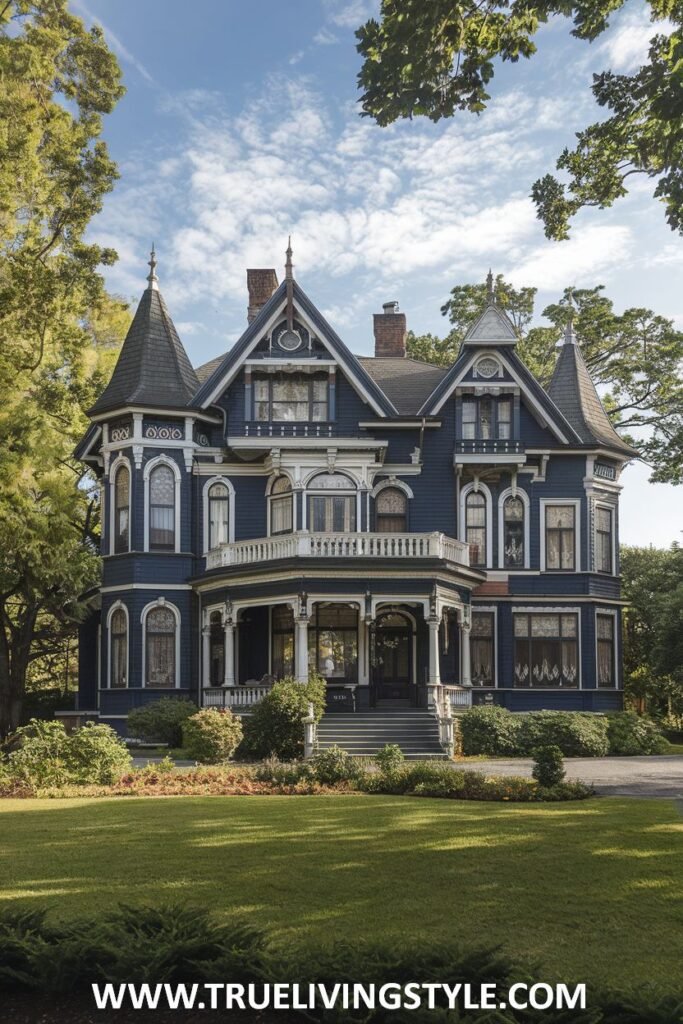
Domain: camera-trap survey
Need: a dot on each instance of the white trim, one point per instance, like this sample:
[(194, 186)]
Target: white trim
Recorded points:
[(524, 497), (552, 610), (391, 482), (115, 607), (205, 510), (462, 526), (119, 461), (321, 492), (149, 466), (160, 602), (576, 502), (612, 509), (123, 587), (491, 609), (270, 497), (614, 614)]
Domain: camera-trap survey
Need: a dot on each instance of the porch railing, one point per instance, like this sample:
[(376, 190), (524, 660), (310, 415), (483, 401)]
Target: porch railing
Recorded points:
[(340, 545), (233, 696), (458, 697)]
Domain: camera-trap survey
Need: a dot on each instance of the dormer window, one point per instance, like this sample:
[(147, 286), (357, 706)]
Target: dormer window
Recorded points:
[(294, 398), (486, 418)]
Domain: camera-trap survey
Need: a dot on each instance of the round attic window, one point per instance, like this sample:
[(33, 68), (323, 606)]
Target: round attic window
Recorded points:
[(290, 341), (487, 367)]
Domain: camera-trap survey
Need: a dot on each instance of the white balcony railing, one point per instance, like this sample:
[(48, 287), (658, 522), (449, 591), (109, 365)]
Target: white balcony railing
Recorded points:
[(233, 696), (391, 546)]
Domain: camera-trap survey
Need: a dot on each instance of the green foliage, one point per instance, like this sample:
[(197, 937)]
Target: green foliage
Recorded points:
[(630, 734), (576, 733), (161, 721), (548, 767), (275, 726), (652, 584), (489, 730), (334, 765), (50, 757), (283, 773), (212, 735), (389, 759), (433, 59), (57, 82)]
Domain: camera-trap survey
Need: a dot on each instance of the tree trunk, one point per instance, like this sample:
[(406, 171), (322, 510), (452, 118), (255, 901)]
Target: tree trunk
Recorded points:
[(15, 649)]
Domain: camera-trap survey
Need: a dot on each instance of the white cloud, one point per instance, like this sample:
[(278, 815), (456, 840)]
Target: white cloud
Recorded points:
[(297, 57), (352, 13), (551, 266), (117, 46), (626, 46), (325, 37)]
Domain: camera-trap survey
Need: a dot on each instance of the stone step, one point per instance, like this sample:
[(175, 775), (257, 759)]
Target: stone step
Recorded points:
[(364, 733)]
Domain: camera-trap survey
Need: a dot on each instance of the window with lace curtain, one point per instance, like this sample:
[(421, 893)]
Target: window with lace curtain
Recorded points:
[(513, 533), (162, 525), (606, 653), (118, 637), (281, 506), (475, 527), (603, 539), (121, 510), (391, 511), (219, 515), (160, 647), (560, 537), (482, 649), (546, 650)]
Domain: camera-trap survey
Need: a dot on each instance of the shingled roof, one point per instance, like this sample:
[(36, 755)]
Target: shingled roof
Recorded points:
[(406, 382), (153, 367), (573, 392)]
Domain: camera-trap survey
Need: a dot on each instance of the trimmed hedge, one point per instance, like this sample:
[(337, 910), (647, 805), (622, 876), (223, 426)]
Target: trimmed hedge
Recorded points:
[(212, 735), (497, 732), (631, 734)]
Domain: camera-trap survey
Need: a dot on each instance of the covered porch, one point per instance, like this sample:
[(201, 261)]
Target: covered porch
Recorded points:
[(373, 649)]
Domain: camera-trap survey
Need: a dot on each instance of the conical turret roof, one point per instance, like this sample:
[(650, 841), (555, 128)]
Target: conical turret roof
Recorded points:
[(153, 367)]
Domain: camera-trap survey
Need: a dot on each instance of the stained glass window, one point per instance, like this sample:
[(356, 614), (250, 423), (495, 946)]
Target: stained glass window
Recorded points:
[(160, 644), (391, 506)]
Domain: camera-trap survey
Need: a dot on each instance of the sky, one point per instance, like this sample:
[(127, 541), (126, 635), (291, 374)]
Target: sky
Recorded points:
[(241, 125)]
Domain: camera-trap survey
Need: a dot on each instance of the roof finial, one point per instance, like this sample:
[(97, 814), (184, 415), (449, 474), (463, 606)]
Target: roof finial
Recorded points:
[(289, 274), (490, 294), (569, 336), (152, 276)]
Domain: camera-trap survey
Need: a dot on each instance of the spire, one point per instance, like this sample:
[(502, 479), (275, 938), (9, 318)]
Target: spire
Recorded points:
[(289, 270), (575, 395), (152, 276), (289, 282), (490, 293), (153, 368)]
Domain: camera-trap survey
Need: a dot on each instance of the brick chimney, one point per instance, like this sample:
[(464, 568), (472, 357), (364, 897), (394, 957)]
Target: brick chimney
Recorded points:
[(390, 331), (261, 285)]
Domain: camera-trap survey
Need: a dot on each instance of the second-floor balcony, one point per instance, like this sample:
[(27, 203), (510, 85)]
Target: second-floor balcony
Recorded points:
[(489, 450), (396, 547)]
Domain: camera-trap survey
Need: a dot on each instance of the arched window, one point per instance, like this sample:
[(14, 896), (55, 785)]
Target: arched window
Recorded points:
[(160, 647), (121, 510), (513, 533), (118, 639), (217, 649), (281, 506), (219, 515), (333, 510), (391, 511), (475, 527), (162, 525)]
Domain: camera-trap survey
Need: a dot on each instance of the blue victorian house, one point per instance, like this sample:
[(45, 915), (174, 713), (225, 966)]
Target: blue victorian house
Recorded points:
[(400, 528)]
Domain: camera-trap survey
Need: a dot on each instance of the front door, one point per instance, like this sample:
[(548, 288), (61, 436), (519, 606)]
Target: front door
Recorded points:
[(393, 657)]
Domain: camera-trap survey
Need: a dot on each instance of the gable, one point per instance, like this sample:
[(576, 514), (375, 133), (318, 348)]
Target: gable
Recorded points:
[(325, 347), (492, 327)]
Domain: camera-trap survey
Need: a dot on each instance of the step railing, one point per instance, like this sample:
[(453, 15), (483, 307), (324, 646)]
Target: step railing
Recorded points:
[(391, 546)]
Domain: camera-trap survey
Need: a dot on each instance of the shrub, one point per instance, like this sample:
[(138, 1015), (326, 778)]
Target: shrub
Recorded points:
[(389, 759), (283, 773), (333, 765), (212, 735), (548, 767), (489, 730), (576, 733), (275, 726), (161, 721), (96, 755), (49, 757), (631, 734)]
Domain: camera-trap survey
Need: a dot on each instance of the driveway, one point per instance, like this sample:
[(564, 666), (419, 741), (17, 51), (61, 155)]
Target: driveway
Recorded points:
[(611, 776)]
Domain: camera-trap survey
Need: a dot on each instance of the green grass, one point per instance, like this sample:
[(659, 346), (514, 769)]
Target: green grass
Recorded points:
[(674, 748), (591, 889)]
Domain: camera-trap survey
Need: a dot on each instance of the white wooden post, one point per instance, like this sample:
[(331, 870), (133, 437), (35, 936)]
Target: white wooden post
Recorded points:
[(229, 652), (206, 652), (434, 671), (465, 626), (302, 649), (310, 733)]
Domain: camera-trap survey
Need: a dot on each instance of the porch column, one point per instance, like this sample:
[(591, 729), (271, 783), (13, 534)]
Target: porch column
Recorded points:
[(206, 652), (228, 647), (301, 649), (434, 671), (465, 626)]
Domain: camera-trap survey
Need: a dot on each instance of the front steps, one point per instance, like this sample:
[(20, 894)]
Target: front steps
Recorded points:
[(363, 733)]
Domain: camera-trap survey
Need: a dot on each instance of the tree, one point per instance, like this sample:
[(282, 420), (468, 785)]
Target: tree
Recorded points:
[(58, 327), (652, 581), (432, 59), (633, 357)]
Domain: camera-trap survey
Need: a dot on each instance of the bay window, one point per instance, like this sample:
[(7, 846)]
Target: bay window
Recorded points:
[(603, 539), (560, 537), (295, 398), (546, 650)]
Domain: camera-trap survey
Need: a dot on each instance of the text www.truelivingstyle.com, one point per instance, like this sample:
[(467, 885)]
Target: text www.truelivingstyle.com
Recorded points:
[(346, 996)]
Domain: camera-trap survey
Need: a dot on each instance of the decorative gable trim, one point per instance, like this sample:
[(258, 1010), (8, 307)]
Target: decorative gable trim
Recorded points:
[(493, 327), (314, 321)]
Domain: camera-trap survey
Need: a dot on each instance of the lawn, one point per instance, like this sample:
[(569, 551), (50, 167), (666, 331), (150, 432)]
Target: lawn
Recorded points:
[(591, 889)]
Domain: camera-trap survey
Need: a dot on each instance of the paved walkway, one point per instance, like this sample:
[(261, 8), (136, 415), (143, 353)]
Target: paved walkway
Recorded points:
[(611, 776)]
